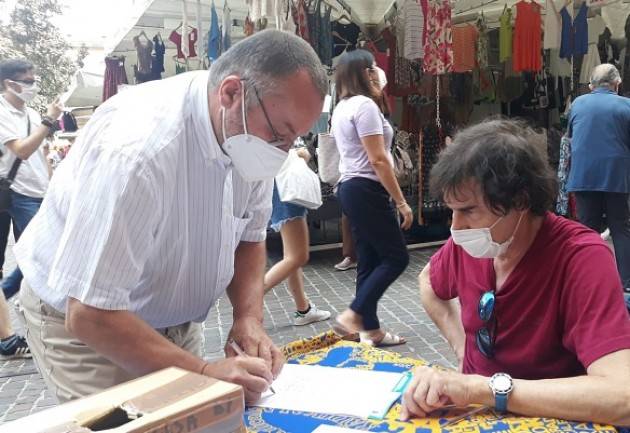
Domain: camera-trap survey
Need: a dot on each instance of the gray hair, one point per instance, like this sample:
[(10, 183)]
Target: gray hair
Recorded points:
[(605, 75), (267, 57)]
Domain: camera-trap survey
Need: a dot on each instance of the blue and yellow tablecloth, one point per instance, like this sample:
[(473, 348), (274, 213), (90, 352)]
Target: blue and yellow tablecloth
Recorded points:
[(328, 350)]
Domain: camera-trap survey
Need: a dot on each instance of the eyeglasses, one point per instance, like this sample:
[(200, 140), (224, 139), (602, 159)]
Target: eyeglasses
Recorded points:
[(486, 336), (277, 141), (26, 82)]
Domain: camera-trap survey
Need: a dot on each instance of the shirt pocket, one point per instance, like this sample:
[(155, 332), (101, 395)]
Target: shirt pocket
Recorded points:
[(231, 237)]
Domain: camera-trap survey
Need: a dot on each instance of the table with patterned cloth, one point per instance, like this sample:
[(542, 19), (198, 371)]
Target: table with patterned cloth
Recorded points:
[(329, 350)]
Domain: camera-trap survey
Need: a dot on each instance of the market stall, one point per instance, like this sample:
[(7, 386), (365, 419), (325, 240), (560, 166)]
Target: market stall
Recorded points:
[(448, 64)]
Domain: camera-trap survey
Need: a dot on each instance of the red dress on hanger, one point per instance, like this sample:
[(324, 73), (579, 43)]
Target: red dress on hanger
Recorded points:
[(526, 55), (176, 38)]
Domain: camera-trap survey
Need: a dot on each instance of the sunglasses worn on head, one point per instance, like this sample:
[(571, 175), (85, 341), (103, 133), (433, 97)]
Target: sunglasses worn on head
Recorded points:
[(486, 336)]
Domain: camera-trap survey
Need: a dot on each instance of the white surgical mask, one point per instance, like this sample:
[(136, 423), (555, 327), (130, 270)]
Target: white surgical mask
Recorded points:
[(29, 92), (382, 77), (252, 157), (479, 243)]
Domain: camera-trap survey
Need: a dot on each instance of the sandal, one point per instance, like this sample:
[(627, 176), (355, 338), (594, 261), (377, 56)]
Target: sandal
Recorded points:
[(388, 339), (344, 332)]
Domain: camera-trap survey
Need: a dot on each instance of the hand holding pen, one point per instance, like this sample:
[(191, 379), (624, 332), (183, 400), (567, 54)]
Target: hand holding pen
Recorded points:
[(240, 352)]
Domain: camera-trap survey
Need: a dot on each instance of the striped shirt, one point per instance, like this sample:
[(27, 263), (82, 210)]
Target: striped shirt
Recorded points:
[(145, 213)]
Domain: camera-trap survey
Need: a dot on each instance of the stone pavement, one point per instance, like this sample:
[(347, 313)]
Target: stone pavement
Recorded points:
[(22, 390)]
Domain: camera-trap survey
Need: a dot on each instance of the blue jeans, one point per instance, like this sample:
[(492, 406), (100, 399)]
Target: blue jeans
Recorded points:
[(23, 208), (380, 244)]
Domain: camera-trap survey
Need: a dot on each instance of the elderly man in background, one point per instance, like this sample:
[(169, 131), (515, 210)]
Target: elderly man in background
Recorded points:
[(599, 126), (160, 208)]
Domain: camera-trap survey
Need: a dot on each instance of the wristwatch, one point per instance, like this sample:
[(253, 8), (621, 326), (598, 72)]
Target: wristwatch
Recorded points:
[(48, 122), (501, 385)]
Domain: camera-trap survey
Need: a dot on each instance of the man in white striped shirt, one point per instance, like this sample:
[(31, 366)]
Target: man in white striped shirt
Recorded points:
[(160, 207)]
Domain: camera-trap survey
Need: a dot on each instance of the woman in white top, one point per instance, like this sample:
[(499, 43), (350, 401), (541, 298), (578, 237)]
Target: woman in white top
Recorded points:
[(369, 194)]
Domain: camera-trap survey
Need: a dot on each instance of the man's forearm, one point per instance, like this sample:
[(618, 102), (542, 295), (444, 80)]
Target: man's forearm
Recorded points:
[(127, 340), (246, 290), (25, 147), (583, 398)]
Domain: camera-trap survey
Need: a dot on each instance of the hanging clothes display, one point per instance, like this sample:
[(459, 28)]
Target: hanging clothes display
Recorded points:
[(574, 40), (302, 20), (313, 18), (143, 51), (326, 42), (552, 26), (527, 37), (505, 34), (615, 17), (260, 9), (248, 26), (482, 41), (214, 35), (413, 22), (596, 27), (464, 43), (608, 51), (438, 50), (285, 19), (562, 204), (157, 62), (176, 38), (114, 75), (345, 36), (226, 28)]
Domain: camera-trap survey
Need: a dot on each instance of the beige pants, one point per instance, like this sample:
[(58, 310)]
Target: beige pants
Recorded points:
[(70, 368)]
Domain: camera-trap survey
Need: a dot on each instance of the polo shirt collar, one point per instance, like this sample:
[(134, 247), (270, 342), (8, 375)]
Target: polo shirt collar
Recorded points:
[(201, 119), (603, 90), (11, 107)]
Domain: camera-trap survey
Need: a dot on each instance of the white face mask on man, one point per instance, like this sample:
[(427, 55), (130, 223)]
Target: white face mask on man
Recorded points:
[(479, 243), (28, 93), (253, 157)]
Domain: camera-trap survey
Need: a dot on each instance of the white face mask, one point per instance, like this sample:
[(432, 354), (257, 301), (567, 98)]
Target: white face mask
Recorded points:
[(253, 157), (382, 77), (29, 92), (478, 242)]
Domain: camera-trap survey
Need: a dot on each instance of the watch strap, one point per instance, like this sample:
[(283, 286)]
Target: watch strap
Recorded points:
[(500, 402)]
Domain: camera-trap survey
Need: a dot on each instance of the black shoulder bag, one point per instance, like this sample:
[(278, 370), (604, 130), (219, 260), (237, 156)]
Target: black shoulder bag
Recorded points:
[(5, 182)]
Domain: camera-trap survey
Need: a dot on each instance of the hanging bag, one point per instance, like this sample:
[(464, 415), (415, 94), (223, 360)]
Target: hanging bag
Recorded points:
[(298, 184), (327, 158), (6, 182), (403, 166)]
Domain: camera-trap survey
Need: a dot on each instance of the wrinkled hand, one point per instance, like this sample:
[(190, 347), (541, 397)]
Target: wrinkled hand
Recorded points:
[(250, 335), (55, 109), (304, 154), (407, 215), (433, 389), (252, 374)]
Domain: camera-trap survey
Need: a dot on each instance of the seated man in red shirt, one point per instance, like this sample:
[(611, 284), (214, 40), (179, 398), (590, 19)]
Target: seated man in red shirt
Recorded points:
[(539, 327)]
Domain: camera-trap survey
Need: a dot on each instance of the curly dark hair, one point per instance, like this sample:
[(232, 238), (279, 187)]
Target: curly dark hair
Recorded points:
[(506, 158)]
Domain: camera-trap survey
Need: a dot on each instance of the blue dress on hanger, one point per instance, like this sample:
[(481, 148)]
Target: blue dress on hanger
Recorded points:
[(574, 40)]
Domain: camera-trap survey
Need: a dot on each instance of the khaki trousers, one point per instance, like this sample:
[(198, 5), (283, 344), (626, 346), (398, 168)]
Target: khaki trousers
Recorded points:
[(70, 368)]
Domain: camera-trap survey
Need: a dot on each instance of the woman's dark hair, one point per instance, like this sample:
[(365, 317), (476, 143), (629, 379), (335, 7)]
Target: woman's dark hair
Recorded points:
[(506, 158), (351, 78)]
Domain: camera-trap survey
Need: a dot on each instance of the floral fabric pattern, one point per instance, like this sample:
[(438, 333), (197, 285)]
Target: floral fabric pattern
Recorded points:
[(438, 48)]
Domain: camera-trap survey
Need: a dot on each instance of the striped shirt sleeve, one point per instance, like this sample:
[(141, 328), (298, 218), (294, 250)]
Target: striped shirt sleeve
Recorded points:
[(259, 209), (108, 234)]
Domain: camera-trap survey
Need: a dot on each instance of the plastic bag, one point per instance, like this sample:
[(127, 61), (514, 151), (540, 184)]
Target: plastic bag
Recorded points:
[(298, 184), (327, 159)]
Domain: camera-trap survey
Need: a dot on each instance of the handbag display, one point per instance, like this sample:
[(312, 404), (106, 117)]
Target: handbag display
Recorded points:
[(6, 182), (298, 184), (403, 166), (328, 158)]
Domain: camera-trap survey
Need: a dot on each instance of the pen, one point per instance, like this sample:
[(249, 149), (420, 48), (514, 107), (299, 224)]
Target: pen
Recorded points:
[(240, 352)]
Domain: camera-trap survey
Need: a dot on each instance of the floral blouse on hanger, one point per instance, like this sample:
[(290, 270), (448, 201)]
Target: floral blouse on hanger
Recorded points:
[(438, 49)]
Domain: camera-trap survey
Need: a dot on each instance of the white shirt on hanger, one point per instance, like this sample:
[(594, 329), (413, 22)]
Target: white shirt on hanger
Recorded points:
[(553, 26), (145, 213)]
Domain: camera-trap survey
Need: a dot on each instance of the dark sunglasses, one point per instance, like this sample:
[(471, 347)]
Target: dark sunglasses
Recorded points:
[(486, 336)]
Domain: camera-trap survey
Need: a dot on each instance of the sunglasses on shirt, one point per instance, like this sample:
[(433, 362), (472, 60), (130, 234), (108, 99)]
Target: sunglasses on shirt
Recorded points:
[(486, 335)]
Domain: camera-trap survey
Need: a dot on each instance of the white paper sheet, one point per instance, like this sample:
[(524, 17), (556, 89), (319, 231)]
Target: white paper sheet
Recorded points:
[(325, 428), (340, 391)]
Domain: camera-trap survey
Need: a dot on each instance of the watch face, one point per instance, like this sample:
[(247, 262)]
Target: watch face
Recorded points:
[(502, 383)]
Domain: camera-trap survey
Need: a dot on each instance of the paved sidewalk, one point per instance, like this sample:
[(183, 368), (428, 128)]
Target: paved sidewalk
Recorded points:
[(22, 390)]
